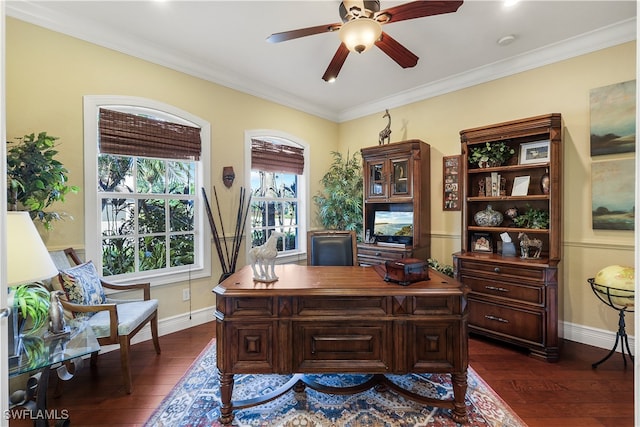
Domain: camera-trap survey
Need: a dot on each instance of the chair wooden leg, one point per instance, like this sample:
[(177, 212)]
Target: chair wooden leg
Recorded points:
[(124, 361), (154, 333)]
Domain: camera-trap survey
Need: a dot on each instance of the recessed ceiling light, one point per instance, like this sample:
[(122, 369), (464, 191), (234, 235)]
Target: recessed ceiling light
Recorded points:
[(509, 3), (506, 40)]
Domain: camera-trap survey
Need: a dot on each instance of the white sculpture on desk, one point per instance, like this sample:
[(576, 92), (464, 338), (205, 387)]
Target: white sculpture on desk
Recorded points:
[(263, 259)]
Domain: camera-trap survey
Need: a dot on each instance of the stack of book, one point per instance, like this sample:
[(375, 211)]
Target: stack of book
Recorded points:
[(495, 185)]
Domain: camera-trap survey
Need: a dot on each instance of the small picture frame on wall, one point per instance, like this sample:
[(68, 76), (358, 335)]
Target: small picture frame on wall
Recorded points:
[(451, 183), (481, 242), (534, 152)]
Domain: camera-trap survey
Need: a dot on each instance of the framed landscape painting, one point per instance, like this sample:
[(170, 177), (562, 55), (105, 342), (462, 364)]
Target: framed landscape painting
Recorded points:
[(613, 119), (612, 194)]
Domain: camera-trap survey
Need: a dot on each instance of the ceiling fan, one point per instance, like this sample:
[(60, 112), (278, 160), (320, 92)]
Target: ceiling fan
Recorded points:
[(361, 28)]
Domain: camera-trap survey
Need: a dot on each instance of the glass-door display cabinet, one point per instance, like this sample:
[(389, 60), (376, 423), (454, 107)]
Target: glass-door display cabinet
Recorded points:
[(396, 208)]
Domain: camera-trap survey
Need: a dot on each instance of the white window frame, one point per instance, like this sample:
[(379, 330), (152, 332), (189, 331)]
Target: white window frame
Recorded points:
[(202, 244), (303, 189)]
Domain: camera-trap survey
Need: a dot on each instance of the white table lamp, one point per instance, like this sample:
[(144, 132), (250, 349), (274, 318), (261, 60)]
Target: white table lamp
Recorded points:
[(27, 257)]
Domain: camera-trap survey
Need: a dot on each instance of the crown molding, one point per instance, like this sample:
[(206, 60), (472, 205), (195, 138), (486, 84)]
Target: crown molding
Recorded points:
[(602, 38), (613, 35)]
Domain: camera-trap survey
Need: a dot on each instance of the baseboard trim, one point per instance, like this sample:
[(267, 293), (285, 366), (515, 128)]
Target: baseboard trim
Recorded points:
[(593, 336), (570, 331)]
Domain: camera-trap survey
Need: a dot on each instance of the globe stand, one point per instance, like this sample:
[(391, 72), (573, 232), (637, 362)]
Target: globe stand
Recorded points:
[(621, 301)]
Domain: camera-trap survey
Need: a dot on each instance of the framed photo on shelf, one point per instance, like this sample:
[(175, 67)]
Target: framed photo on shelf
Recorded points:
[(534, 152), (451, 183), (481, 242), (520, 186)]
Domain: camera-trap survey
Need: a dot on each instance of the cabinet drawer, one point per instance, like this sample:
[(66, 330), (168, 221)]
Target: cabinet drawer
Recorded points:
[(518, 323), (353, 347), (518, 272), (518, 292), (381, 253)]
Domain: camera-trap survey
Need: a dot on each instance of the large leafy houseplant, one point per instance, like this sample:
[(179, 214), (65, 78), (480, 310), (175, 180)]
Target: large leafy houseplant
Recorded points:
[(35, 178), (340, 203)]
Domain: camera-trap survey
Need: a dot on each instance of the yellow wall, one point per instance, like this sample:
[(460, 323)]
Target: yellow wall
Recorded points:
[(48, 74), (563, 88)]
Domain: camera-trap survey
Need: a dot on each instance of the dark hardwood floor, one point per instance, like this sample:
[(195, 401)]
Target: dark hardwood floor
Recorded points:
[(566, 393)]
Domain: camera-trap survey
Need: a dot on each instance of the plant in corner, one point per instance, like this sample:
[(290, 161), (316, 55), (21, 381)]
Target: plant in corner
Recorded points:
[(340, 204), (445, 269), (35, 179)]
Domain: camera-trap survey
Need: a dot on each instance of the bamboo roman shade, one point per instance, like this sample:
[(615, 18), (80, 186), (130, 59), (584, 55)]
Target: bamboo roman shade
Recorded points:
[(133, 135), (270, 157)]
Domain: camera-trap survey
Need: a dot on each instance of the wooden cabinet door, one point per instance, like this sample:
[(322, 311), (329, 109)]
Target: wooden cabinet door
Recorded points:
[(401, 178), (376, 179)]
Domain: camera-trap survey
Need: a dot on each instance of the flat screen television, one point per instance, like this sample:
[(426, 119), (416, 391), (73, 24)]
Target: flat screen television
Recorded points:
[(393, 226)]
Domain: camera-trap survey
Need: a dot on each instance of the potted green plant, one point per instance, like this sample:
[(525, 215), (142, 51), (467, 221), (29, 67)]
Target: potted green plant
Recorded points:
[(35, 178), (340, 204), (32, 303), (490, 154), (532, 218)]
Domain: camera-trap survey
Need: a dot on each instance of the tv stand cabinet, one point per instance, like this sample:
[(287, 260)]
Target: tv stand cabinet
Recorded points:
[(397, 177)]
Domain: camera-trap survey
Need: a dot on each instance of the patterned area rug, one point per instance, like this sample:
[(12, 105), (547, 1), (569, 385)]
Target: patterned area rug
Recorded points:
[(195, 401)]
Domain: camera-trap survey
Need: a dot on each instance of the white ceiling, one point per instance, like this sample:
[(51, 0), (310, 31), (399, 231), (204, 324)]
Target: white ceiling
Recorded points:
[(224, 42)]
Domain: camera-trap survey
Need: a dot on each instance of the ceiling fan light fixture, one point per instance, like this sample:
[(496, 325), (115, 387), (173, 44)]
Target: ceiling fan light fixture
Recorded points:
[(360, 34)]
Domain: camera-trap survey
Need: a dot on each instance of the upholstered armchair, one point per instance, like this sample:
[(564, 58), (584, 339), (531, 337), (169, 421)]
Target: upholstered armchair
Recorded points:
[(113, 321), (332, 247)]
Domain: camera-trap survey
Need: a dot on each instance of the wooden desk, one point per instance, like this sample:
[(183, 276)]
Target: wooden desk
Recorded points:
[(340, 320)]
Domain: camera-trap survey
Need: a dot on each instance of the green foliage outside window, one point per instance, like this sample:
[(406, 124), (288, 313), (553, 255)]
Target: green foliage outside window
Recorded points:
[(152, 191), (274, 207)]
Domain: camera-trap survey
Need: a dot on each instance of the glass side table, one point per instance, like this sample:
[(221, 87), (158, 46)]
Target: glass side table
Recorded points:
[(39, 354), (623, 301)]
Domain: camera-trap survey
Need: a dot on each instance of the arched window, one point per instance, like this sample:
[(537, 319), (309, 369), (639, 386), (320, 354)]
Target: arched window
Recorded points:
[(143, 172), (278, 166)]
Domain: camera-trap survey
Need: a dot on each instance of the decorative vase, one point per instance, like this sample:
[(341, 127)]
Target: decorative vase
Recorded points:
[(545, 184), (488, 217)]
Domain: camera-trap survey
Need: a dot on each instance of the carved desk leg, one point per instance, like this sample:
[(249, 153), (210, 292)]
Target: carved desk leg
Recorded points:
[(226, 390), (459, 382)]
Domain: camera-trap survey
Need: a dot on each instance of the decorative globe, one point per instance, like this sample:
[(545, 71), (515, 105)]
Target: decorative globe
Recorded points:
[(621, 283)]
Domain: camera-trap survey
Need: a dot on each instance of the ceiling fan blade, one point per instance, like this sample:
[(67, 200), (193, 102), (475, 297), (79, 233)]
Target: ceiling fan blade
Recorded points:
[(302, 32), (403, 56), (416, 9), (336, 63)]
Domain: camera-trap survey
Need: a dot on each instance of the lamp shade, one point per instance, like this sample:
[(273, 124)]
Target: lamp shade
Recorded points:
[(27, 257), (360, 34)]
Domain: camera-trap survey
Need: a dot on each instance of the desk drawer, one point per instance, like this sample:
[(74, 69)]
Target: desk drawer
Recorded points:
[(352, 347), (518, 292), (339, 306), (245, 307), (523, 324)]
